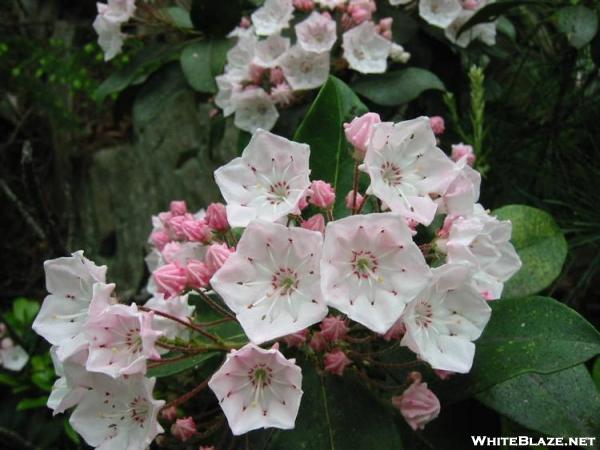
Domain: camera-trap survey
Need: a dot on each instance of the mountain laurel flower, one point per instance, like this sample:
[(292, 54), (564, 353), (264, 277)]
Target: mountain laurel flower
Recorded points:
[(271, 282), (267, 54), (354, 200), (417, 404), (272, 17), (178, 207), (12, 357), (305, 70), (196, 230), (118, 414), (445, 318), (437, 125), (371, 268), (461, 150), (254, 110), (296, 339), (170, 279), (314, 223), (317, 33), (198, 274), (178, 307), (121, 341), (318, 342), (216, 255), (267, 181), (216, 217), (62, 317), (258, 388), (334, 328), (365, 49), (406, 168), (336, 361), (483, 241), (359, 131), (323, 194), (184, 429), (485, 32), (72, 383), (439, 13), (462, 194)]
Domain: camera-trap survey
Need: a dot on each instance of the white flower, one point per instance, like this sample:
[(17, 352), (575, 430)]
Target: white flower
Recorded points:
[(371, 268), (272, 17), (406, 168), (177, 306), (440, 13), (254, 109), (365, 49), (331, 4), (64, 312), (305, 70), (258, 388), (74, 380), (317, 33), (462, 193), (110, 38), (485, 32), (267, 181), (239, 59), (445, 318), (269, 51), (12, 357), (117, 11), (484, 242), (271, 282), (118, 414), (228, 89)]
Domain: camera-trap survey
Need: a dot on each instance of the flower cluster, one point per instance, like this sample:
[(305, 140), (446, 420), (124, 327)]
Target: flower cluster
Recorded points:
[(451, 15), (111, 16), (267, 70)]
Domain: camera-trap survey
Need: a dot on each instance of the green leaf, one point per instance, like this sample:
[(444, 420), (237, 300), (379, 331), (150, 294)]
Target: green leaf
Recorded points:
[(580, 24), (492, 11), (193, 362), (534, 334), (338, 413), (397, 87), (323, 130), (9, 380), (32, 403), (564, 403), (596, 373), (540, 244), (202, 61), (24, 311), (179, 16)]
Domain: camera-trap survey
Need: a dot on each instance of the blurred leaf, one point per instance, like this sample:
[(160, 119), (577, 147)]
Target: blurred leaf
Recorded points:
[(9, 380), (533, 334), (580, 24), (24, 311), (338, 413), (193, 362), (397, 87), (540, 244), (596, 373), (492, 11), (202, 61), (71, 433), (322, 129), (506, 27), (564, 403), (179, 16), (32, 403)]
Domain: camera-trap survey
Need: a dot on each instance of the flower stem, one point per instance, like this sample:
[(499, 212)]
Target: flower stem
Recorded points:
[(190, 325), (214, 305), (188, 395)]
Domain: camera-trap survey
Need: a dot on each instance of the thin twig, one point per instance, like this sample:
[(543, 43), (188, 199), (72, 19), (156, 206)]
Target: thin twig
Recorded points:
[(215, 305), (182, 322), (188, 395)]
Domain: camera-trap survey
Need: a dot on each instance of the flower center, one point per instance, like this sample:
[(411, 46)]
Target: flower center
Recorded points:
[(390, 173), (278, 192), (423, 313), (285, 280), (364, 264), (133, 340)]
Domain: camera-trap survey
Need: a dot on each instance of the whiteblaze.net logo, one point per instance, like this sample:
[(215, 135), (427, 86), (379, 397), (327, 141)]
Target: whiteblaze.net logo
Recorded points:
[(518, 441)]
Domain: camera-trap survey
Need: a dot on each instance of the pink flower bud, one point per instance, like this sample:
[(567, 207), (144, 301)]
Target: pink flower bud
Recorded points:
[(437, 124), (443, 374), (276, 76), (318, 342), (175, 225), (165, 216), (360, 15), (256, 74), (336, 362), (417, 404), (184, 429), (245, 22), (196, 230), (333, 328), (303, 203), (159, 239), (216, 216), (461, 150), (470, 4), (198, 274), (359, 131), (350, 200), (178, 207), (315, 223), (169, 414), (386, 23), (296, 339), (170, 279), (396, 332), (304, 5), (323, 195), (216, 255)]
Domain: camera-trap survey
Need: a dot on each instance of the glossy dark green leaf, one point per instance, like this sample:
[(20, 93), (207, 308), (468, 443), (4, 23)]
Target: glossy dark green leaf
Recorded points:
[(533, 334), (580, 24), (541, 245), (564, 403), (397, 87), (193, 362), (202, 61)]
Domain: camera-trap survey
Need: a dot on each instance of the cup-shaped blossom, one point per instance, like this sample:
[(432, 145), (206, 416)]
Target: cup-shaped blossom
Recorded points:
[(254, 110), (177, 306), (417, 404), (216, 217), (74, 380), (365, 49), (371, 268), (406, 168), (267, 181), (317, 33), (271, 282), (216, 255), (336, 361), (462, 194), (61, 319), (303, 69), (440, 13), (445, 318), (334, 328), (272, 17), (170, 279), (121, 341), (483, 241), (258, 388), (184, 429), (268, 53), (359, 131), (118, 414), (12, 357)]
